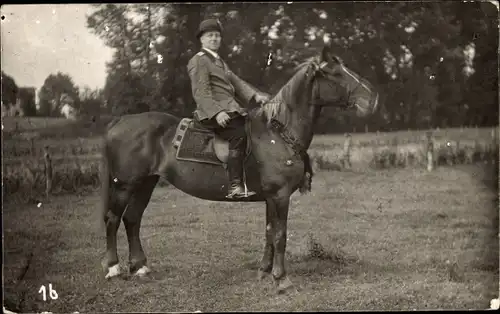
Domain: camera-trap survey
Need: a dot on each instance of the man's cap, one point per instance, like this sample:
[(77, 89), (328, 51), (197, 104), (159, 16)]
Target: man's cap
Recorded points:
[(209, 25)]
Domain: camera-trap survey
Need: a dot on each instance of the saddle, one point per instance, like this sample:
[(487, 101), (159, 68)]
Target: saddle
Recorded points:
[(196, 143)]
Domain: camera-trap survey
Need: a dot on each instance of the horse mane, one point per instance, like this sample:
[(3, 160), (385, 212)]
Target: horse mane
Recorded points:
[(280, 107)]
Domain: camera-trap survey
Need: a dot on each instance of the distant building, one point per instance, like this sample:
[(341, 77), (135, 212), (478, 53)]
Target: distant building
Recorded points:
[(12, 110), (68, 111), (67, 107), (25, 95)]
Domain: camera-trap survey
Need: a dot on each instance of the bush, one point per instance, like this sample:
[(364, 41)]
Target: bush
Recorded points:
[(26, 178), (326, 160), (401, 154), (15, 148), (76, 161)]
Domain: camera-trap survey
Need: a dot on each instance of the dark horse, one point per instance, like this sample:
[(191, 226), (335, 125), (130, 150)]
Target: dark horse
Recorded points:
[(138, 151)]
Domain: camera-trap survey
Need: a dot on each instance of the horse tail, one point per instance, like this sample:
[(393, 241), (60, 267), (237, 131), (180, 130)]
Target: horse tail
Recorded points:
[(105, 182), (105, 172)]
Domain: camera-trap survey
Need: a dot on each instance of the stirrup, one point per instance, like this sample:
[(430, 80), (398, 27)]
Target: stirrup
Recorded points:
[(238, 194)]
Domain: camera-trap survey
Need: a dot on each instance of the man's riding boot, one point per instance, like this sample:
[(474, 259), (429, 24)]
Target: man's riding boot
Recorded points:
[(235, 171)]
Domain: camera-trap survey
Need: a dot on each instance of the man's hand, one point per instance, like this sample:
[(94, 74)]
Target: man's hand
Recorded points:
[(261, 98), (222, 118)]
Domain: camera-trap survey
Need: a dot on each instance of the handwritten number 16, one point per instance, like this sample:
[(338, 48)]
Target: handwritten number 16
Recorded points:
[(52, 292)]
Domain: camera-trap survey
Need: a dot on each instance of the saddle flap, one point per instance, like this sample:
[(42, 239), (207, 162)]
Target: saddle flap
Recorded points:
[(181, 130), (194, 142)]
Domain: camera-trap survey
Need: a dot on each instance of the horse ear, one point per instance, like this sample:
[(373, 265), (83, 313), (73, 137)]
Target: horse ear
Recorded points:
[(328, 56), (326, 53)]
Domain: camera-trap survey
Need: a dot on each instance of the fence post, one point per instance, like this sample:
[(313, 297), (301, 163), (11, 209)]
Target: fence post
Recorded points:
[(347, 152), (430, 151), (48, 171), (494, 146), (33, 153), (394, 158)]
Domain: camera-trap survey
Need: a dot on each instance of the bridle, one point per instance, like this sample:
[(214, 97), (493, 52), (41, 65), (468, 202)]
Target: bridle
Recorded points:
[(289, 138), (321, 69)]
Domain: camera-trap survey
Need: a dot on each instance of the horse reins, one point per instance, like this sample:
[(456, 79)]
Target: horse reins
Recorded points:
[(285, 134)]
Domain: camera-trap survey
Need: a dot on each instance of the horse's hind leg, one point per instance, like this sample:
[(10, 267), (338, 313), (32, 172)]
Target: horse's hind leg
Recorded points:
[(266, 264), (132, 221), (118, 196)]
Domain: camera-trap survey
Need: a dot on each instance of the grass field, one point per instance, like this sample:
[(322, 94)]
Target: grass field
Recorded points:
[(398, 239)]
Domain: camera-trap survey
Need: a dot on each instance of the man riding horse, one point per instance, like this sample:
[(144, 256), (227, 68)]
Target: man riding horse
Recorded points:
[(215, 88), (139, 149)]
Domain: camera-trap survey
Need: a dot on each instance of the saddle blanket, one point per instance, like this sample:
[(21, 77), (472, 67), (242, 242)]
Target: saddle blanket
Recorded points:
[(195, 144)]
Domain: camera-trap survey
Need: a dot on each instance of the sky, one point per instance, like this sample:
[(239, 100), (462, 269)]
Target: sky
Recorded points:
[(39, 40)]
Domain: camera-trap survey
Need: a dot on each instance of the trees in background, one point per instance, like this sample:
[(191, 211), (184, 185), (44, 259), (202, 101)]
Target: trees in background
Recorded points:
[(91, 103), (27, 96), (435, 64), (57, 90), (417, 54), (9, 90), (17, 100)]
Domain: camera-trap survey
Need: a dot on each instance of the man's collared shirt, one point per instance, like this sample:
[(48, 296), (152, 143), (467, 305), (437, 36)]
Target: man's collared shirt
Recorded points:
[(213, 53)]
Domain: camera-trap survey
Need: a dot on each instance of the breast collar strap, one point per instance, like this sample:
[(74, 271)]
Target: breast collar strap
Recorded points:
[(288, 137)]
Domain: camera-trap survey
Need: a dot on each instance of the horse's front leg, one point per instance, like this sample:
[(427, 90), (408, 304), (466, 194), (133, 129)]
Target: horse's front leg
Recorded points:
[(280, 217), (266, 264)]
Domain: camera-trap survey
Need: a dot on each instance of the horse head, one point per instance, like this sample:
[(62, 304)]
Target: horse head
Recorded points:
[(334, 84), (323, 80)]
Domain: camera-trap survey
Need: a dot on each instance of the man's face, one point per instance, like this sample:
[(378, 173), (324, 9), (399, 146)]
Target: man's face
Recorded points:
[(211, 40)]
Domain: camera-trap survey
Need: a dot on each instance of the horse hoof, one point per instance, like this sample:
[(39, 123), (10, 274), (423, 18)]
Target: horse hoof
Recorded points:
[(283, 284), (142, 272), (113, 271)]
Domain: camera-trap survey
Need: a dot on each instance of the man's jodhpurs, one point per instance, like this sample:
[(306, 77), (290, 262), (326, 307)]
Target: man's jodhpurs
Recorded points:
[(234, 133)]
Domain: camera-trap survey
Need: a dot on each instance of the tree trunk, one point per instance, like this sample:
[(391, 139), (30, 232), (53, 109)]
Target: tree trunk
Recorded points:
[(125, 45)]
